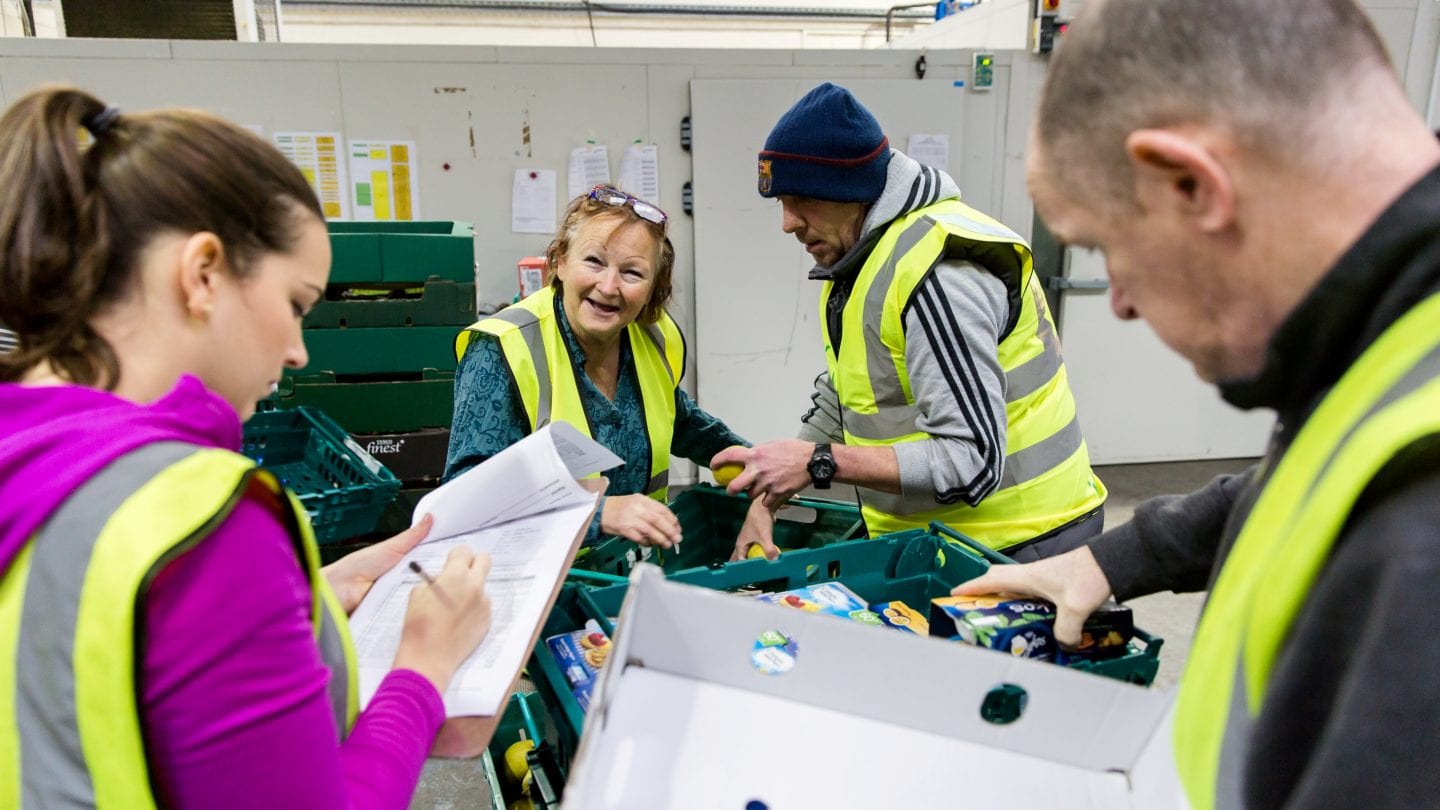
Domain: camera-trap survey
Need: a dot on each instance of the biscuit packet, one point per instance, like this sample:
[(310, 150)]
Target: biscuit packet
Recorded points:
[(581, 654)]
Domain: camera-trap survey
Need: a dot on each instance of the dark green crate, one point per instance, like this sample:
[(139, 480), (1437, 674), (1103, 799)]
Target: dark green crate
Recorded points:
[(440, 303), (374, 406), (397, 350), (342, 488), (710, 521), (914, 566), (492, 763), (401, 252), (397, 517)]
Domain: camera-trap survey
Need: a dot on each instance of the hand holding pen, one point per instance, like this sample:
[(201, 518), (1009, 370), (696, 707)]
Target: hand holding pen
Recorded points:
[(447, 619)]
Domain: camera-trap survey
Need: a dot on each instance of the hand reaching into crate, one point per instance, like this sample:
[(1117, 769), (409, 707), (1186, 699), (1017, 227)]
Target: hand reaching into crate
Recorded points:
[(1073, 581), (757, 531), (641, 519), (351, 576)]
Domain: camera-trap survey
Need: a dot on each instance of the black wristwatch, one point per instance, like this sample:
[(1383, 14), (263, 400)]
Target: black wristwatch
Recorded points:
[(821, 466)]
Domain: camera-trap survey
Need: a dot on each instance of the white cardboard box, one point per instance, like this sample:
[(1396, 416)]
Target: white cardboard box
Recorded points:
[(866, 718)]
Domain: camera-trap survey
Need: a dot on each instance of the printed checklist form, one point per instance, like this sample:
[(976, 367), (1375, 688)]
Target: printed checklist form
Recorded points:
[(526, 508)]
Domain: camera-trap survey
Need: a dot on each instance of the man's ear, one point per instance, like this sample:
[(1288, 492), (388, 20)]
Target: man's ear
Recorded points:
[(202, 262), (1178, 173)]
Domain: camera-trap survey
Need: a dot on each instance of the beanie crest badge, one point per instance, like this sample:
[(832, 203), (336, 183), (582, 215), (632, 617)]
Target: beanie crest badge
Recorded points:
[(766, 178)]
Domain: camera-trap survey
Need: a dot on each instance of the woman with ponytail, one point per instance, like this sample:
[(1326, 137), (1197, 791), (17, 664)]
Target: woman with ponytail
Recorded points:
[(167, 637)]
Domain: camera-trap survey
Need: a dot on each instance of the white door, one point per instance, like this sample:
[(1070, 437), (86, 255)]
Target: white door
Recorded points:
[(1138, 400)]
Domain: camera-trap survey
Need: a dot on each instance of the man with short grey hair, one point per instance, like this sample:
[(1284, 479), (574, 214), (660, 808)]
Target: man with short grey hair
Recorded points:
[(1269, 202)]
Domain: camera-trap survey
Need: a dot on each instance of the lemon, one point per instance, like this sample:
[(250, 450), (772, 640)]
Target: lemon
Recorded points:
[(515, 764), (756, 550), (725, 473)]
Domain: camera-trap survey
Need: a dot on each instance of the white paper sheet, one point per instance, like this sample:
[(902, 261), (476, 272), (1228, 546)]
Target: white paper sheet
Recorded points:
[(527, 556), (640, 171), (319, 158), (525, 509), (589, 167), (930, 150), (383, 180), (532, 201)]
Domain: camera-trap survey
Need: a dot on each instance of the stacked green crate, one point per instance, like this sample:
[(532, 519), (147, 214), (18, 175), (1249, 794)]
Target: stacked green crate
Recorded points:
[(381, 344)]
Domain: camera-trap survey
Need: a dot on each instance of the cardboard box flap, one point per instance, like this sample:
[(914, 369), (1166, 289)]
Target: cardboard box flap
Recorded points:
[(926, 685)]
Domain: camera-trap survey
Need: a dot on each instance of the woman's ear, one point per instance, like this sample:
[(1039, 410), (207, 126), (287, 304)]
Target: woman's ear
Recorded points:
[(202, 263), (1175, 172)]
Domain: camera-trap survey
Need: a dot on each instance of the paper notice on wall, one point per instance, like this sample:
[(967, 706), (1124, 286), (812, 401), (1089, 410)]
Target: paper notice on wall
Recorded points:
[(589, 167), (318, 156), (532, 201), (930, 150), (385, 180), (640, 171)]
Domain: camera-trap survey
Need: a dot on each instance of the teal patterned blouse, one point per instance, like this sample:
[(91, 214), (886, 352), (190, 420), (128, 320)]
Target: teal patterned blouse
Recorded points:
[(489, 416)]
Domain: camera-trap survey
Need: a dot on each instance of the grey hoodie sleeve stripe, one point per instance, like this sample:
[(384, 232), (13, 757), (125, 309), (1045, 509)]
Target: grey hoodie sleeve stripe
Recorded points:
[(952, 333), (822, 422)]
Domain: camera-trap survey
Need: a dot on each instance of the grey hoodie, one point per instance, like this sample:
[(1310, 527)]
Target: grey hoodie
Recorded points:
[(952, 334)]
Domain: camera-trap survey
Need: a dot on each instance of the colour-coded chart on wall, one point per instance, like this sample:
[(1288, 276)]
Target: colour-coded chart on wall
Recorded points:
[(318, 156), (385, 186)]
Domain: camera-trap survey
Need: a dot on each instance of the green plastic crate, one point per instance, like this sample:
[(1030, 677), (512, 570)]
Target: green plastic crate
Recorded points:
[(512, 722), (439, 303), (913, 566), (401, 252), (381, 351), (388, 406), (342, 488), (710, 521)]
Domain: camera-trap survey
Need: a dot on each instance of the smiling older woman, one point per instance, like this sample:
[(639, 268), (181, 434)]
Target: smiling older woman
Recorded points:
[(595, 349)]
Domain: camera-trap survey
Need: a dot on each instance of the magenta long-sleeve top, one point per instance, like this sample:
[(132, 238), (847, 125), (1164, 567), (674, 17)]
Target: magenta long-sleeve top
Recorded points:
[(233, 699)]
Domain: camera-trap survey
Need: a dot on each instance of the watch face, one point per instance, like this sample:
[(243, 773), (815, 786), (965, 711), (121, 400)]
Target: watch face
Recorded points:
[(822, 468)]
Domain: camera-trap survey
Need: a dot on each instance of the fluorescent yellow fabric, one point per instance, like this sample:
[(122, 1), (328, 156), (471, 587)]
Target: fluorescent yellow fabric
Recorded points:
[(1386, 401), (1043, 489), (539, 361), (172, 511)]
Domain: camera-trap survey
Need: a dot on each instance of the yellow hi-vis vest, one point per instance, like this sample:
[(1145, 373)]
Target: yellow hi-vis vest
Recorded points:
[(547, 381), (71, 613), (1047, 481), (1388, 400)]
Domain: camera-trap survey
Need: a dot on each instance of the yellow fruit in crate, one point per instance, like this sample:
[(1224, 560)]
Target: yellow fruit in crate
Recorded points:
[(756, 550), (515, 765), (522, 803)]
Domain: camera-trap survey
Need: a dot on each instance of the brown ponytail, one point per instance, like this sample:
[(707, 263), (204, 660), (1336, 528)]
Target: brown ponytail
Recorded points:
[(74, 220)]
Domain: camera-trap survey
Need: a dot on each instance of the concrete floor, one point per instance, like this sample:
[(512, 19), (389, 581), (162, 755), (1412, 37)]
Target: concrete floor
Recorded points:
[(452, 785)]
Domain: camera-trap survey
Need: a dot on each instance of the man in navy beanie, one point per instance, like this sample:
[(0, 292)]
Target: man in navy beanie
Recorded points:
[(945, 396)]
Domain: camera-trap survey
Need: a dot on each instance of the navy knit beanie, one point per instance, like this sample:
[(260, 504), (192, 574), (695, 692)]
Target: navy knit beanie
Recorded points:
[(828, 146)]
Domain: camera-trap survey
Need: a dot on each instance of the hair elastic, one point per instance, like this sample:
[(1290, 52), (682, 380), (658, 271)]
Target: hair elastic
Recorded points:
[(100, 123)]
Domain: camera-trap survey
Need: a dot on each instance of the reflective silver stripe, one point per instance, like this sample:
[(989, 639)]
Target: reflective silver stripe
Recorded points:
[(9, 341), (518, 316), (976, 226), (889, 423), (655, 333), (52, 765), (658, 482), (527, 323), (1042, 456), (1234, 749), (884, 377), (332, 652), (1239, 723), (1032, 375)]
